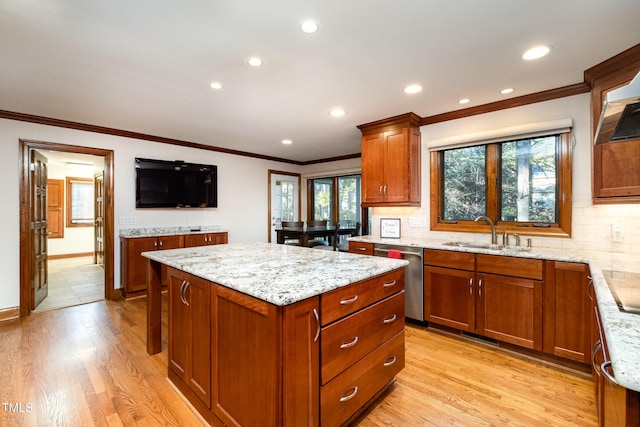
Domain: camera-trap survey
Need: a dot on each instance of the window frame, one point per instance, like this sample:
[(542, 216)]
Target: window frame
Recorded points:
[(564, 194), (69, 181)]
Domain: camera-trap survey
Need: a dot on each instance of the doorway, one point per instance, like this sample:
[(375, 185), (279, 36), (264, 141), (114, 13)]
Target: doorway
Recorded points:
[(29, 239), (284, 199)]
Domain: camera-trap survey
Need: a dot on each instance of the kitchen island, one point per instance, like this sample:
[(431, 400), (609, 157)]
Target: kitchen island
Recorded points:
[(266, 334)]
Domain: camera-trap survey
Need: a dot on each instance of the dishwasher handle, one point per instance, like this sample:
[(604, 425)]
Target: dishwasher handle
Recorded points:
[(418, 254)]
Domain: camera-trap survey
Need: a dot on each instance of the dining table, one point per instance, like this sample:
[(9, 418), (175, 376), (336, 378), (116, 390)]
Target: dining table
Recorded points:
[(305, 234)]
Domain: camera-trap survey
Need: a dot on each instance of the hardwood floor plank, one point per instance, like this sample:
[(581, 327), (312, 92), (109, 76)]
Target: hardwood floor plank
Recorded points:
[(87, 365)]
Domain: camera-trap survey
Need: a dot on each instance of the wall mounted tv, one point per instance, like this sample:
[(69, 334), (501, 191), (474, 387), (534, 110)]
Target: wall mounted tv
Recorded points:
[(177, 184)]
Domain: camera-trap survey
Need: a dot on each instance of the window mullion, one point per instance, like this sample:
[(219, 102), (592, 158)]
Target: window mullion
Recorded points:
[(493, 193)]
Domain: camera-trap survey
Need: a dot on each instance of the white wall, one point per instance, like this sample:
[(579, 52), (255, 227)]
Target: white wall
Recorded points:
[(591, 226), (242, 192)]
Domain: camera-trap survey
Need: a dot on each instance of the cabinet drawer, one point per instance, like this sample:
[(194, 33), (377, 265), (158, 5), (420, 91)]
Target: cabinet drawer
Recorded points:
[(449, 259), (347, 393), (510, 266), (344, 301), (361, 248), (345, 342)]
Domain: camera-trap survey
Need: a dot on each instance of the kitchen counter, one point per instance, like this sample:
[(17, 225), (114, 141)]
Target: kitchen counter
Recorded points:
[(167, 231), (622, 330), (277, 274)]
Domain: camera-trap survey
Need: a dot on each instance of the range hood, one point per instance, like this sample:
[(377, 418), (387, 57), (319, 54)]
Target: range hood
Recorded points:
[(620, 118)]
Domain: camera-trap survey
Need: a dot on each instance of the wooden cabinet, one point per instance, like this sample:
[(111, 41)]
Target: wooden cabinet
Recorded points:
[(616, 177), (133, 266), (360, 248), (315, 362), (464, 291), (391, 162), (567, 311), (362, 344), (203, 239), (190, 333), (617, 405)]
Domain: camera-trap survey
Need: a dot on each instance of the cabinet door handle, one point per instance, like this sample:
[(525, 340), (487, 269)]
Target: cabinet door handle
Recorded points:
[(606, 373), (182, 292), (590, 288), (384, 191), (315, 313), (470, 286), (349, 396), (160, 243), (480, 287), (390, 319), (348, 344), (596, 348), (390, 361), (155, 244), (389, 284), (380, 190), (349, 300)]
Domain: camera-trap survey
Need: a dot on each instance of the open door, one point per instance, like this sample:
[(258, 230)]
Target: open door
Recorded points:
[(39, 230), (284, 200), (98, 225)]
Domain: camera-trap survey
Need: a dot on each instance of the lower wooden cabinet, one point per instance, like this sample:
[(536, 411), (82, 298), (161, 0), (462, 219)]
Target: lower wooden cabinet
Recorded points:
[(189, 332), (133, 266), (273, 365), (567, 311)]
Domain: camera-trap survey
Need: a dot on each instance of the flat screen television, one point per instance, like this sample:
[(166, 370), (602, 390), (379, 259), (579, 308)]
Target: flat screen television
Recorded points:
[(175, 184)]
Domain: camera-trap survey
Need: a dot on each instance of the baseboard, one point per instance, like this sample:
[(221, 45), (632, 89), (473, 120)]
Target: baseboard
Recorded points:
[(63, 256), (9, 314)]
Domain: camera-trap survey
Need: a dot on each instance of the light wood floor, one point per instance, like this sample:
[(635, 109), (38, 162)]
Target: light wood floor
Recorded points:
[(87, 365)]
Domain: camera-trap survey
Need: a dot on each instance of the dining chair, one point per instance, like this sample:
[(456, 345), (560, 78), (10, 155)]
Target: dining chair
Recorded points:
[(318, 241), (334, 241), (343, 246), (291, 224)]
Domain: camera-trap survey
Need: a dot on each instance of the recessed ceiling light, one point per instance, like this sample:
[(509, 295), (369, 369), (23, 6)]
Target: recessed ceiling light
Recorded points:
[(535, 53), (309, 27), (415, 88), (337, 112), (464, 101), (506, 91), (254, 61), (216, 85), (287, 141)]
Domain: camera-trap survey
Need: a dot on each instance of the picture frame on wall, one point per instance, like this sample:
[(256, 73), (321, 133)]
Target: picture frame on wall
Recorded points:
[(390, 228)]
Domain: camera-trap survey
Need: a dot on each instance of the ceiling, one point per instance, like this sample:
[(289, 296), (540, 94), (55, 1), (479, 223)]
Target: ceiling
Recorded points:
[(145, 66)]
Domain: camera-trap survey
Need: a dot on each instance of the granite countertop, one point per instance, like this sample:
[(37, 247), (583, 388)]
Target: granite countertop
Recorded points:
[(130, 233), (278, 274), (621, 329)]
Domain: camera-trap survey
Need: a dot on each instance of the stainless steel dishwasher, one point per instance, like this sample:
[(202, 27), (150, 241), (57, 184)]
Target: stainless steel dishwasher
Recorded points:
[(414, 288)]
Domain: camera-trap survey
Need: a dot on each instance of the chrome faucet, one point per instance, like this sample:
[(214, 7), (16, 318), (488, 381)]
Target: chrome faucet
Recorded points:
[(494, 238)]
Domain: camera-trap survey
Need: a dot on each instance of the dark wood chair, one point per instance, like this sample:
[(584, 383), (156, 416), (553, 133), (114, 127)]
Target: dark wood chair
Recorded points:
[(291, 224), (334, 240), (319, 241), (342, 244)]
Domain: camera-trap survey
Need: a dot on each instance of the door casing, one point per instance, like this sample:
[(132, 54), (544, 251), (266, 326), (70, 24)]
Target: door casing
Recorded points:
[(25, 242)]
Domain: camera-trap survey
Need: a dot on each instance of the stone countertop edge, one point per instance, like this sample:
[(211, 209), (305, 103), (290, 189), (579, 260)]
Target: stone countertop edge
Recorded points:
[(132, 233), (621, 329), (278, 274)]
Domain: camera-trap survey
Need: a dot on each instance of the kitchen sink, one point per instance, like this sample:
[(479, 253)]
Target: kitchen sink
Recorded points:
[(488, 246)]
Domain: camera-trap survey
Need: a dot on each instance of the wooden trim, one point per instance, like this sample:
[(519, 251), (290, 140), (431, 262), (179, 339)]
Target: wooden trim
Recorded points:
[(402, 121), (533, 98), (612, 65), (276, 172), (9, 313), (25, 242), (67, 256)]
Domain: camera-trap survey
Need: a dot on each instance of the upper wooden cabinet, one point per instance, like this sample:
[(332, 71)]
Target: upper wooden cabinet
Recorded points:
[(616, 177), (391, 161)]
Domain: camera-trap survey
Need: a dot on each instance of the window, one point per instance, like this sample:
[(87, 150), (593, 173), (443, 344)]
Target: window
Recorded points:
[(523, 185), (336, 197), (80, 202)]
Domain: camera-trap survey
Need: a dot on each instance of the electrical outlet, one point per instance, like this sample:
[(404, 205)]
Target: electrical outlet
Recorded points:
[(417, 222), (617, 232)]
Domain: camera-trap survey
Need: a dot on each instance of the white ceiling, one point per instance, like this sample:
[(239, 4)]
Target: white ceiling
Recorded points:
[(146, 65)]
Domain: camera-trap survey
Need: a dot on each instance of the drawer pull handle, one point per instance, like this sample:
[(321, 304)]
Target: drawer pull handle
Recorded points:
[(348, 344), (607, 375), (361, 249), (349, 301), (389, 284), (390, 319), (350, 396), (390, 361), (315, 314)]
